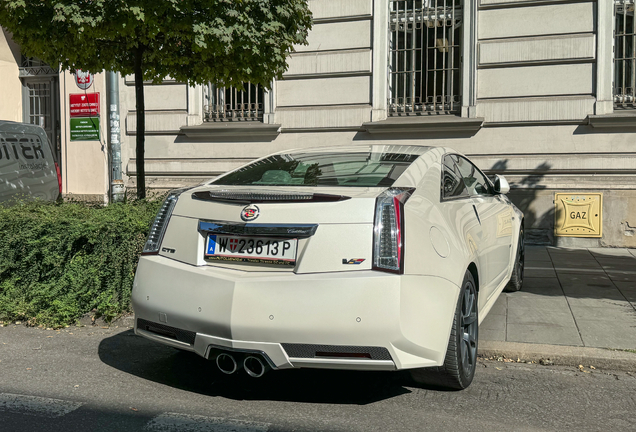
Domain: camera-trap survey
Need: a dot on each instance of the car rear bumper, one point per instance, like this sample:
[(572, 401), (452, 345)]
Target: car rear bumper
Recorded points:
[(321, 320)]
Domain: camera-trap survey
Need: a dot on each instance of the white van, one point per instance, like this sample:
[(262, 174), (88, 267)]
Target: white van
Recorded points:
[(28, 168)]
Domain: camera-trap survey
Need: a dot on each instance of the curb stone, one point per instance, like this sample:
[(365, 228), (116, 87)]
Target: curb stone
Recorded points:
[(561, 355), (125, 321), (88, 320)]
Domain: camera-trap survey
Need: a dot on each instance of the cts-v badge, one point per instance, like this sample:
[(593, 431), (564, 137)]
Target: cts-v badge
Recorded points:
[(353, 261), (250, 213)]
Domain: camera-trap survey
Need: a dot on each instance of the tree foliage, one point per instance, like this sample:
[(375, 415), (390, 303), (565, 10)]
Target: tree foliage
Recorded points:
[(227, 42), (193, 41)]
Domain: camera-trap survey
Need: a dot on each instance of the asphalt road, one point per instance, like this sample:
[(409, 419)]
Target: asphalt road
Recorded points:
[(93, 379)]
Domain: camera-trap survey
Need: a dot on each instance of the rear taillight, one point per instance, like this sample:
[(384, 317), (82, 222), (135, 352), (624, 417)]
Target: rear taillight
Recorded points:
[(388, 232), (59, 177), (158, 228)]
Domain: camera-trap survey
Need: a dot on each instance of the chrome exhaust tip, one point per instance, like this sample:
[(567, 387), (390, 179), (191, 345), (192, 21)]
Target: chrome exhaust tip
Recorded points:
[(254, 366), (226, 363)]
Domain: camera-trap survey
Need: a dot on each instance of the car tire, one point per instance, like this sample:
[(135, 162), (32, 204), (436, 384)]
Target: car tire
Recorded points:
[(458, 369), (516, 279)]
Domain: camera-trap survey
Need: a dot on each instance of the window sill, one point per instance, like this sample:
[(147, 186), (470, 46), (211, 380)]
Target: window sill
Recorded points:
[(221, 131), (616, 120), (432, 123)]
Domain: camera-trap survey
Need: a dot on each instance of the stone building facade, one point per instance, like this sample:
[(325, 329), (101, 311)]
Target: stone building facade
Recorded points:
[(541, 91)]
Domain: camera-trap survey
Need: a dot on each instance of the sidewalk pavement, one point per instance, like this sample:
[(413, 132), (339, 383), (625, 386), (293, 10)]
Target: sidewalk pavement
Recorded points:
[(570, 298)]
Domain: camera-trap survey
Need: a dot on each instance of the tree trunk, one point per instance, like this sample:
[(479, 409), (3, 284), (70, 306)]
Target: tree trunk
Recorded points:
[(141, 125)]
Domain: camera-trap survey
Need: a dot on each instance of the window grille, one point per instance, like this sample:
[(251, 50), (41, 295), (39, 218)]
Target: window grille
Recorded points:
[(624, 55), (32, 62), (232, 104), (40, 106), (424, 56), (33, 66)]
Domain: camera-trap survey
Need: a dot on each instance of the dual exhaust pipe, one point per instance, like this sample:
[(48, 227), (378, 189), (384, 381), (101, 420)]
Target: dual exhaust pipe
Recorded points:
[(254, 365)]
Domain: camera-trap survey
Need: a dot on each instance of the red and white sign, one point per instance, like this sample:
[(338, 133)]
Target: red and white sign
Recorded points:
[(84, 105), (83, 79)]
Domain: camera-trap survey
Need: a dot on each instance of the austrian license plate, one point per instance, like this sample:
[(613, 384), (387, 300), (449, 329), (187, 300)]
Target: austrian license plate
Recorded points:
[(261, 250)]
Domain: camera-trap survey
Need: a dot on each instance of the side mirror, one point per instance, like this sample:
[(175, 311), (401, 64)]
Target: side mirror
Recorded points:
[(501, 185)]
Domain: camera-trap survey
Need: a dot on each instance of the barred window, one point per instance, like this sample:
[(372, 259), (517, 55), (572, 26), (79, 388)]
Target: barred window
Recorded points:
[(40, 105), (230, 103), (624, 55), (424, 56)]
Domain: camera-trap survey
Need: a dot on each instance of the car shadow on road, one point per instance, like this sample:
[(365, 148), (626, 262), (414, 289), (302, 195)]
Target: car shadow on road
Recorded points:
[(187, 371)]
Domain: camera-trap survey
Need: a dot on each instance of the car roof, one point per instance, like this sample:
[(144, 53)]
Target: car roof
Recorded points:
[(373, 148), (18, 127)]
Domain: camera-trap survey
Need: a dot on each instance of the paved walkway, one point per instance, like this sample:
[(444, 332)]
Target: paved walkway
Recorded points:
[(573, 297)]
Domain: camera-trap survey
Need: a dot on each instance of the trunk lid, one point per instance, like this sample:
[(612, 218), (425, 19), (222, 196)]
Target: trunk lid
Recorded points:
[(332, 227)]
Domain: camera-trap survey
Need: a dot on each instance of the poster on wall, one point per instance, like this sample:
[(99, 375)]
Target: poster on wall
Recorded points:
[(84, 116)]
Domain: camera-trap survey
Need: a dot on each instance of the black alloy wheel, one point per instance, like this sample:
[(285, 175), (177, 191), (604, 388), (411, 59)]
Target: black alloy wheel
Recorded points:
[(469, 328), (458, 369)]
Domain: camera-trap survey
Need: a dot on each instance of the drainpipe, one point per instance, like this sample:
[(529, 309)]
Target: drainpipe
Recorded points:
[(117, 191)]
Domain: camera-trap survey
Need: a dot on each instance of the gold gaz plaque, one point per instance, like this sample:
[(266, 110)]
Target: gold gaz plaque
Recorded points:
[(578, 214)]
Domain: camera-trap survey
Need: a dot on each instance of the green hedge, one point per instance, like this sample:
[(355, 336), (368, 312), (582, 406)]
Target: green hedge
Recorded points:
[(61, 261)]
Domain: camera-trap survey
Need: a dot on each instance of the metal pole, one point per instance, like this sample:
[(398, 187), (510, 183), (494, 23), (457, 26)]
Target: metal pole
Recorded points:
[(117, 190)]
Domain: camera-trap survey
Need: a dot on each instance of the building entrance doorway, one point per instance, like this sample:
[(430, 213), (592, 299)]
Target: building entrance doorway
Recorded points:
[(40, 98)]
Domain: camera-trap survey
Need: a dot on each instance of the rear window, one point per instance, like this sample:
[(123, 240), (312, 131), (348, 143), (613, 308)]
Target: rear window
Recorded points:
[(360, 169)]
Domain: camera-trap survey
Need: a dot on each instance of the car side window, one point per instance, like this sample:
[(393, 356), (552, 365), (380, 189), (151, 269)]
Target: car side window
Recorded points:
[(452, 184), (475, 181)]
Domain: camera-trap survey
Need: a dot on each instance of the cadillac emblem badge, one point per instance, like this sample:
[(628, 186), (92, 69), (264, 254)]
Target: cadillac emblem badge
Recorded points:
[(250, 213)]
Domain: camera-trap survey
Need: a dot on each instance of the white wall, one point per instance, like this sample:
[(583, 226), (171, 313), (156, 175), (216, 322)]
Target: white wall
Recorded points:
[(11, 93), (84, 163)]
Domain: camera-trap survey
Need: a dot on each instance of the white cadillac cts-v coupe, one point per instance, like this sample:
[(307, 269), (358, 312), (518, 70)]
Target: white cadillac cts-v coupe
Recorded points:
[(376, 257)]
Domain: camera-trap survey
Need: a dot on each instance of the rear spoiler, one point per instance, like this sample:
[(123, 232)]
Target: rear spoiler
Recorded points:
[(248, 197)]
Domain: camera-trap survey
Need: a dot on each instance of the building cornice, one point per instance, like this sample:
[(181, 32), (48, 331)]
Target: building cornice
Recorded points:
[(221, 131), (611, 121), (424, 124)]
